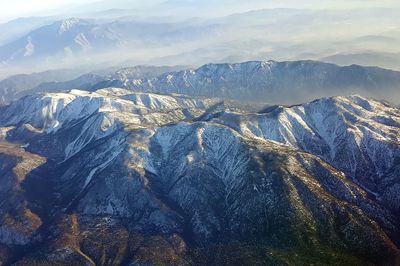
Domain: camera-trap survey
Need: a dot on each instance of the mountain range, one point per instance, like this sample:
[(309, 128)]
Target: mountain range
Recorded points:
[(178, 33), (75, 37), (182, 132), (17, 86), (277, 82), (118, 177), (266, 82)]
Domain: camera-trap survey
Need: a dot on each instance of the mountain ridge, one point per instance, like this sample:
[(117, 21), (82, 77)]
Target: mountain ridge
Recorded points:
[(272, 80), (184, 177), (287, 82)]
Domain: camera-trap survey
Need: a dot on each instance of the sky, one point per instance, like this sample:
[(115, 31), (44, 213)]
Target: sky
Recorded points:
[(19, 8), (11, 9)]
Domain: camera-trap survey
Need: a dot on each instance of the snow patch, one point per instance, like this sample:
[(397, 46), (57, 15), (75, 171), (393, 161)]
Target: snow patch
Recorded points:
[(29, 48)]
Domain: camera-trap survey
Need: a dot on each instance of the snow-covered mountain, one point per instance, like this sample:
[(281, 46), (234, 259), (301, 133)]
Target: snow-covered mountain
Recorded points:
[(17, 86), (138, 178), (275, 82), (261, 81)]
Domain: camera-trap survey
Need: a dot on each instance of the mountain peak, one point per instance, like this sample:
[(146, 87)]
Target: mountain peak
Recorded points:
[(67, 24)]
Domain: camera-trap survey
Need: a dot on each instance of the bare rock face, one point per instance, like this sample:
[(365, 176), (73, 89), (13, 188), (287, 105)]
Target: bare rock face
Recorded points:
[(115, 177)]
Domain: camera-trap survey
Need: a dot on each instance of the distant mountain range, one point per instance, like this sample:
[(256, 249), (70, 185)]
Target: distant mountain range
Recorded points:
[(19, 27), (283, 82), (257, 81), (390, 60), (76, 37), (143, 37), (17, 86)]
